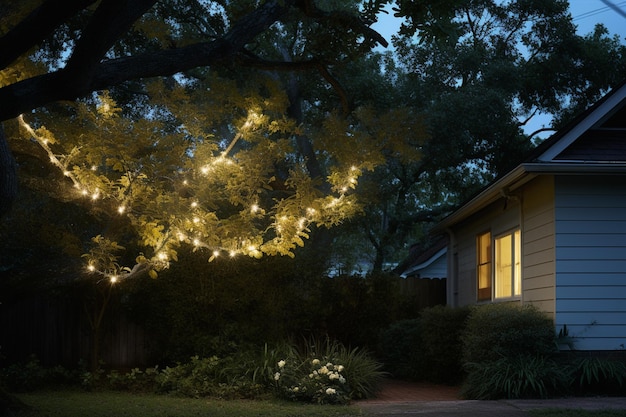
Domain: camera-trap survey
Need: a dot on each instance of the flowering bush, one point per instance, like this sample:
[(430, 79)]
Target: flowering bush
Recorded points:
[(312, 380)]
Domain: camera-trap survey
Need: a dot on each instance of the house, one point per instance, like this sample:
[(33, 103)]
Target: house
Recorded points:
[(425, 262), (552, 232)]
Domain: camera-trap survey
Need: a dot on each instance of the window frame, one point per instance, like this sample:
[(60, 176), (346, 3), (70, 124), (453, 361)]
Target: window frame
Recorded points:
[(493, 260)]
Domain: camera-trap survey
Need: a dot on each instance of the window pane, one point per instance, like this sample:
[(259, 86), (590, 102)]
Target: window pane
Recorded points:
[(517, 279), (483, 269), (504, 266)]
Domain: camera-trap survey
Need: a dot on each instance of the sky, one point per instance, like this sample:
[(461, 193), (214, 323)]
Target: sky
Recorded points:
[(586, 14)]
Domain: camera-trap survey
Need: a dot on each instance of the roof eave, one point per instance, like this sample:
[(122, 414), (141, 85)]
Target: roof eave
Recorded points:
[(521, 175)]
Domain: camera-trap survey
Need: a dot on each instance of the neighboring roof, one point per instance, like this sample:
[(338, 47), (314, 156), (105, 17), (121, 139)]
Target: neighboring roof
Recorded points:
[(421, 257), (593, 142)]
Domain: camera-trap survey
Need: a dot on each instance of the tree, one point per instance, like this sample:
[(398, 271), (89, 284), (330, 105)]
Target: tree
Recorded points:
[(261, 194), (95, 64), (477, 73)]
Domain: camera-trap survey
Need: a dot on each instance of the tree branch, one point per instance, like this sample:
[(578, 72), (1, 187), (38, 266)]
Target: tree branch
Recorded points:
[(36, 26), (62, 84)]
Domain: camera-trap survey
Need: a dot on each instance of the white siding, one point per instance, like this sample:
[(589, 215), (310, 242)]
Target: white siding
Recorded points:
[(590, 256)]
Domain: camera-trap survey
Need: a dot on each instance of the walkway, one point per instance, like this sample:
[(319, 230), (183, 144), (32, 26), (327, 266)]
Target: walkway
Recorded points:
[(406, 399)]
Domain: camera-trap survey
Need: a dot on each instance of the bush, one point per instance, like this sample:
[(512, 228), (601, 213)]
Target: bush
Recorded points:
[(427, 348), (327, 373), (30, 376), (135, 380), (197, 378), (400, 345), (526, 376), (441, 348), (496, 331)]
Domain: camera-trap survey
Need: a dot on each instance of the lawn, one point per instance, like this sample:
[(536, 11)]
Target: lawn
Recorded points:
[(120, 404), (578, 413)]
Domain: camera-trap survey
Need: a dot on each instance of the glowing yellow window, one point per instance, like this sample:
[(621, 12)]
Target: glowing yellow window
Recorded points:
[(507, 265)]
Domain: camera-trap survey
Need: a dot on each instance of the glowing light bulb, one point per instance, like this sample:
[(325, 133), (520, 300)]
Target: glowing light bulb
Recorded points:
[(232, 253), (196, 242), (162, 256), (196, 220), (91, 268), (216, 253), (113, 279), (121, 209), (254, 208), (194, 204), (94, 168), (204, 170)]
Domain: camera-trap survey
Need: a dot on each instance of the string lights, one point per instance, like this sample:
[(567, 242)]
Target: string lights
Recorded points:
[(167, 217)]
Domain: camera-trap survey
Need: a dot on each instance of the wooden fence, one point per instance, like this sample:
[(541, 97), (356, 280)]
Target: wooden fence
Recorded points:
[(424, 292), (57, 332)]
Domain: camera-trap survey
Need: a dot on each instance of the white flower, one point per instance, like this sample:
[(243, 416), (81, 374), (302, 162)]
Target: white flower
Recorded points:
[(330, 391), (296, 389), (333, 375), (277, 376), (315, 361), (323, 370), (329, 365), (342, 379), (339, 368), (311, 376), (281, 364)]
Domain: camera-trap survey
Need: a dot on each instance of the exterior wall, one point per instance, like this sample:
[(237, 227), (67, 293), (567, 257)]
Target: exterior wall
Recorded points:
[(591, 260), (538, 244), (499, 217)]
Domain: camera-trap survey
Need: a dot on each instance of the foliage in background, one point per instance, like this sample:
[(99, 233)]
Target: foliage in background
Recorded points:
[(400, 346), (427, 348)]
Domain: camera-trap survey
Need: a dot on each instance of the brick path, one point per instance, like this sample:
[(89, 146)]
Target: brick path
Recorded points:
[(405, 391)]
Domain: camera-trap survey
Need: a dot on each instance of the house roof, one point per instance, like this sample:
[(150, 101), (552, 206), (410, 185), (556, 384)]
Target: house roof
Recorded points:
[(592, 143), (421, 256)]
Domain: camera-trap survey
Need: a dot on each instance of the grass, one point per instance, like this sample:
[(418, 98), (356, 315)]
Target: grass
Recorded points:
[(120, 404), (577, 413)]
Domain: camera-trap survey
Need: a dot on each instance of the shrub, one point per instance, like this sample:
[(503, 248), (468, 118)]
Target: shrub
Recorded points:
[(135, 380), (30, 376), (526, 376), (400, 345), (196, 378), (327, 372), (441, 348), (496, 331), (598, 376)]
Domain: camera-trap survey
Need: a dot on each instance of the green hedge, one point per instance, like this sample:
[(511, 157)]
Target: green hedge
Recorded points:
[(496, 331)]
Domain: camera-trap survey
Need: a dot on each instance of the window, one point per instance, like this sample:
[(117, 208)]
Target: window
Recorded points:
[(499, 266), (508, 268), (483, 272)]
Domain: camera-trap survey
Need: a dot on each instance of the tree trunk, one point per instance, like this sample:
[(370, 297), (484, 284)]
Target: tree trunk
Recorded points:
[(8, 175)]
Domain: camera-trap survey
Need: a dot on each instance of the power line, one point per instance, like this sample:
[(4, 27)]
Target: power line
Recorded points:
[(607, 8)]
